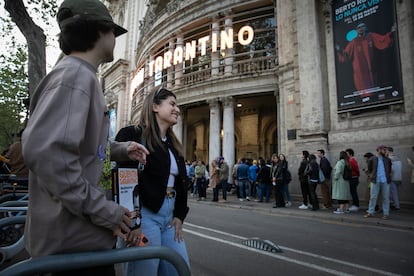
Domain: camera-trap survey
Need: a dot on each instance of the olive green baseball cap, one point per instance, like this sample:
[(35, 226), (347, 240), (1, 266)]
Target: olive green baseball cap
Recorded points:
[(92, 10)]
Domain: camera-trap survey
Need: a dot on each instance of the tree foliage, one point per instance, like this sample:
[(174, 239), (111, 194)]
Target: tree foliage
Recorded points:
[(33, 33), (22, 67), (14, 92)]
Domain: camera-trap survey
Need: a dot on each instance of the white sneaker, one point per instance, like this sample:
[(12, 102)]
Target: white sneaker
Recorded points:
[(338, 212), (288, 204), (354, 208), (247, 198), (303, 206), (241, 199)]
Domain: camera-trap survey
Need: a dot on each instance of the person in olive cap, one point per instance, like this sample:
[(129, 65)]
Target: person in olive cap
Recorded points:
[(65, 143)]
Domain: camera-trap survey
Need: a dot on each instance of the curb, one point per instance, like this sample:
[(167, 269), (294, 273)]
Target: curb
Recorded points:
[(403, 221)]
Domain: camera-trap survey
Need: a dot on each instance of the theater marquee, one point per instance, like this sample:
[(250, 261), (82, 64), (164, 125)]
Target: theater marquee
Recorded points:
[(193, 48)]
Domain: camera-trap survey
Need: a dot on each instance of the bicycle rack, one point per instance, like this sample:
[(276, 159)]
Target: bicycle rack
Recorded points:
[(61, 262)]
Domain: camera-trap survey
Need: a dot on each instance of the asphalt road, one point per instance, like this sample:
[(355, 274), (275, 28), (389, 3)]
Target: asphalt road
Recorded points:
[(311, 245)]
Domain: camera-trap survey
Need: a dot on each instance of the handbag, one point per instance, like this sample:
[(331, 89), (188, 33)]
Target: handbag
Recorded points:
[(321, 176)]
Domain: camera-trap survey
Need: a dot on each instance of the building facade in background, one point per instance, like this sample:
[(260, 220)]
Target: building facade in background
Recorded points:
[(257, 77)]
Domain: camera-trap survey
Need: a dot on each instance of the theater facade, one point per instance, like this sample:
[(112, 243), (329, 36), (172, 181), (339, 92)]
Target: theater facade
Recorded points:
[(254, 78)]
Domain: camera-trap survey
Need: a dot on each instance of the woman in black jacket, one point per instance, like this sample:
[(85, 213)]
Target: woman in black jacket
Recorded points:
[(312, 171), (162, 186), (278, 181), (303, 179)]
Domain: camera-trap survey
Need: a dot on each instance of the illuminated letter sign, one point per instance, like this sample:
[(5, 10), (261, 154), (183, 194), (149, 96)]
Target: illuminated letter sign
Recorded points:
[(250, 35), (173, 57)]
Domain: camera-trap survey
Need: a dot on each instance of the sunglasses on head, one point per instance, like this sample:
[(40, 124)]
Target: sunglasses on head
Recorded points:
[(158, 91)]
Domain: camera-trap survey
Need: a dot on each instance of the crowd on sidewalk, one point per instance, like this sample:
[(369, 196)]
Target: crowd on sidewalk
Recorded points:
[(268, 180)]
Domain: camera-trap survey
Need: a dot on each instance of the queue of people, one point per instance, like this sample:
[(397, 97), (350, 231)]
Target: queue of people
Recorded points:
[(253, 180), (338, 183)]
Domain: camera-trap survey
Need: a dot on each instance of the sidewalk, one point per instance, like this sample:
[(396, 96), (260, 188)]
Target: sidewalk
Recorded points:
[(401, 219)]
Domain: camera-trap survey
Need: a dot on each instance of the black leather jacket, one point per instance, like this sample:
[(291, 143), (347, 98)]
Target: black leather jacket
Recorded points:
[(154, 178)]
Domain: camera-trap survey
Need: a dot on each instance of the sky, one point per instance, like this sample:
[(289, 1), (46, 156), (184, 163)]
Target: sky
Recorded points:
[(52, 50)]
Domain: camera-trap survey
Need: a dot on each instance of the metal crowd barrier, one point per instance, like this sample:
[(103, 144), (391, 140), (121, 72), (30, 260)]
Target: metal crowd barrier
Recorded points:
[(9, 252), (61, 262), (12, 215)]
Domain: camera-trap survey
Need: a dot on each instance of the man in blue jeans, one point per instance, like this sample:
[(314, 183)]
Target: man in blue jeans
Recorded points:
[(379, 171), (242, 175)]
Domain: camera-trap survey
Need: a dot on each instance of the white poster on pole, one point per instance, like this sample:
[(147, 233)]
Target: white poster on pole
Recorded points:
[(127, 180)]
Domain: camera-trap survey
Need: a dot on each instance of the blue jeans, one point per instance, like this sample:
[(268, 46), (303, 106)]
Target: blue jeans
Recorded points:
[(385, 191), (244, 186), (394, 193), (195, 188), (286, 192), (157, 227), (264, 191)]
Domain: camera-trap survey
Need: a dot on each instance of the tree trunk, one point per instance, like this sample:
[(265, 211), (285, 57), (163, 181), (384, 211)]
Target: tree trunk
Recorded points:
[(36, 41)]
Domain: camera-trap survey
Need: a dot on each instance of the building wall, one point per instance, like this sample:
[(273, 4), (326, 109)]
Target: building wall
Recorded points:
[(301, 87)]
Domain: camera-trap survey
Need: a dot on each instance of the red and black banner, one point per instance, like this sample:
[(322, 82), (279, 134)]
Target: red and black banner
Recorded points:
[(367, 59)]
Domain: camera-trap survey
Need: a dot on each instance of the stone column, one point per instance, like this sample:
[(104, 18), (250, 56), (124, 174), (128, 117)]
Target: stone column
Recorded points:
[(228, 58), (170, 70), (179, 66), (149, 80), (215, 56), (215, 127), (312, 90), (228, 132)]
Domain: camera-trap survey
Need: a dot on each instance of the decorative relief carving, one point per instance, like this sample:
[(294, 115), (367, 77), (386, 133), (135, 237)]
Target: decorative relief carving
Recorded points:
[(227, 101), (173, 6)]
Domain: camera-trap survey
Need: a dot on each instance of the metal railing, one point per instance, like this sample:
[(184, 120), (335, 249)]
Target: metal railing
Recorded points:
[(61, 262), (10, 251)]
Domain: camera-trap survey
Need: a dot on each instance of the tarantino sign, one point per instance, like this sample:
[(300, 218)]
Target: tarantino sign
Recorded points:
[(367, 60), (193, 48)]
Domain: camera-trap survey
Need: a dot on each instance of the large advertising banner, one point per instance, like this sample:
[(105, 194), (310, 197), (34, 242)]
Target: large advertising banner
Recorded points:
[(367, 60)]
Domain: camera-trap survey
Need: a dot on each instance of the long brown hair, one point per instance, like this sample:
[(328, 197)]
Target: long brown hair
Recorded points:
[(149, 122), (344, 155)]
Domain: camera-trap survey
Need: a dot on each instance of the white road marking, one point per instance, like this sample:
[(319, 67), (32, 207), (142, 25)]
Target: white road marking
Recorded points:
[(277, 256)]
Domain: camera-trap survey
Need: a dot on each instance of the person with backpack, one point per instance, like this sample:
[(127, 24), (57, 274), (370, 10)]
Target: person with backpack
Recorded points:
[(303, 179), (326, 168), (342, 174), (354, 181), (312, 171)]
